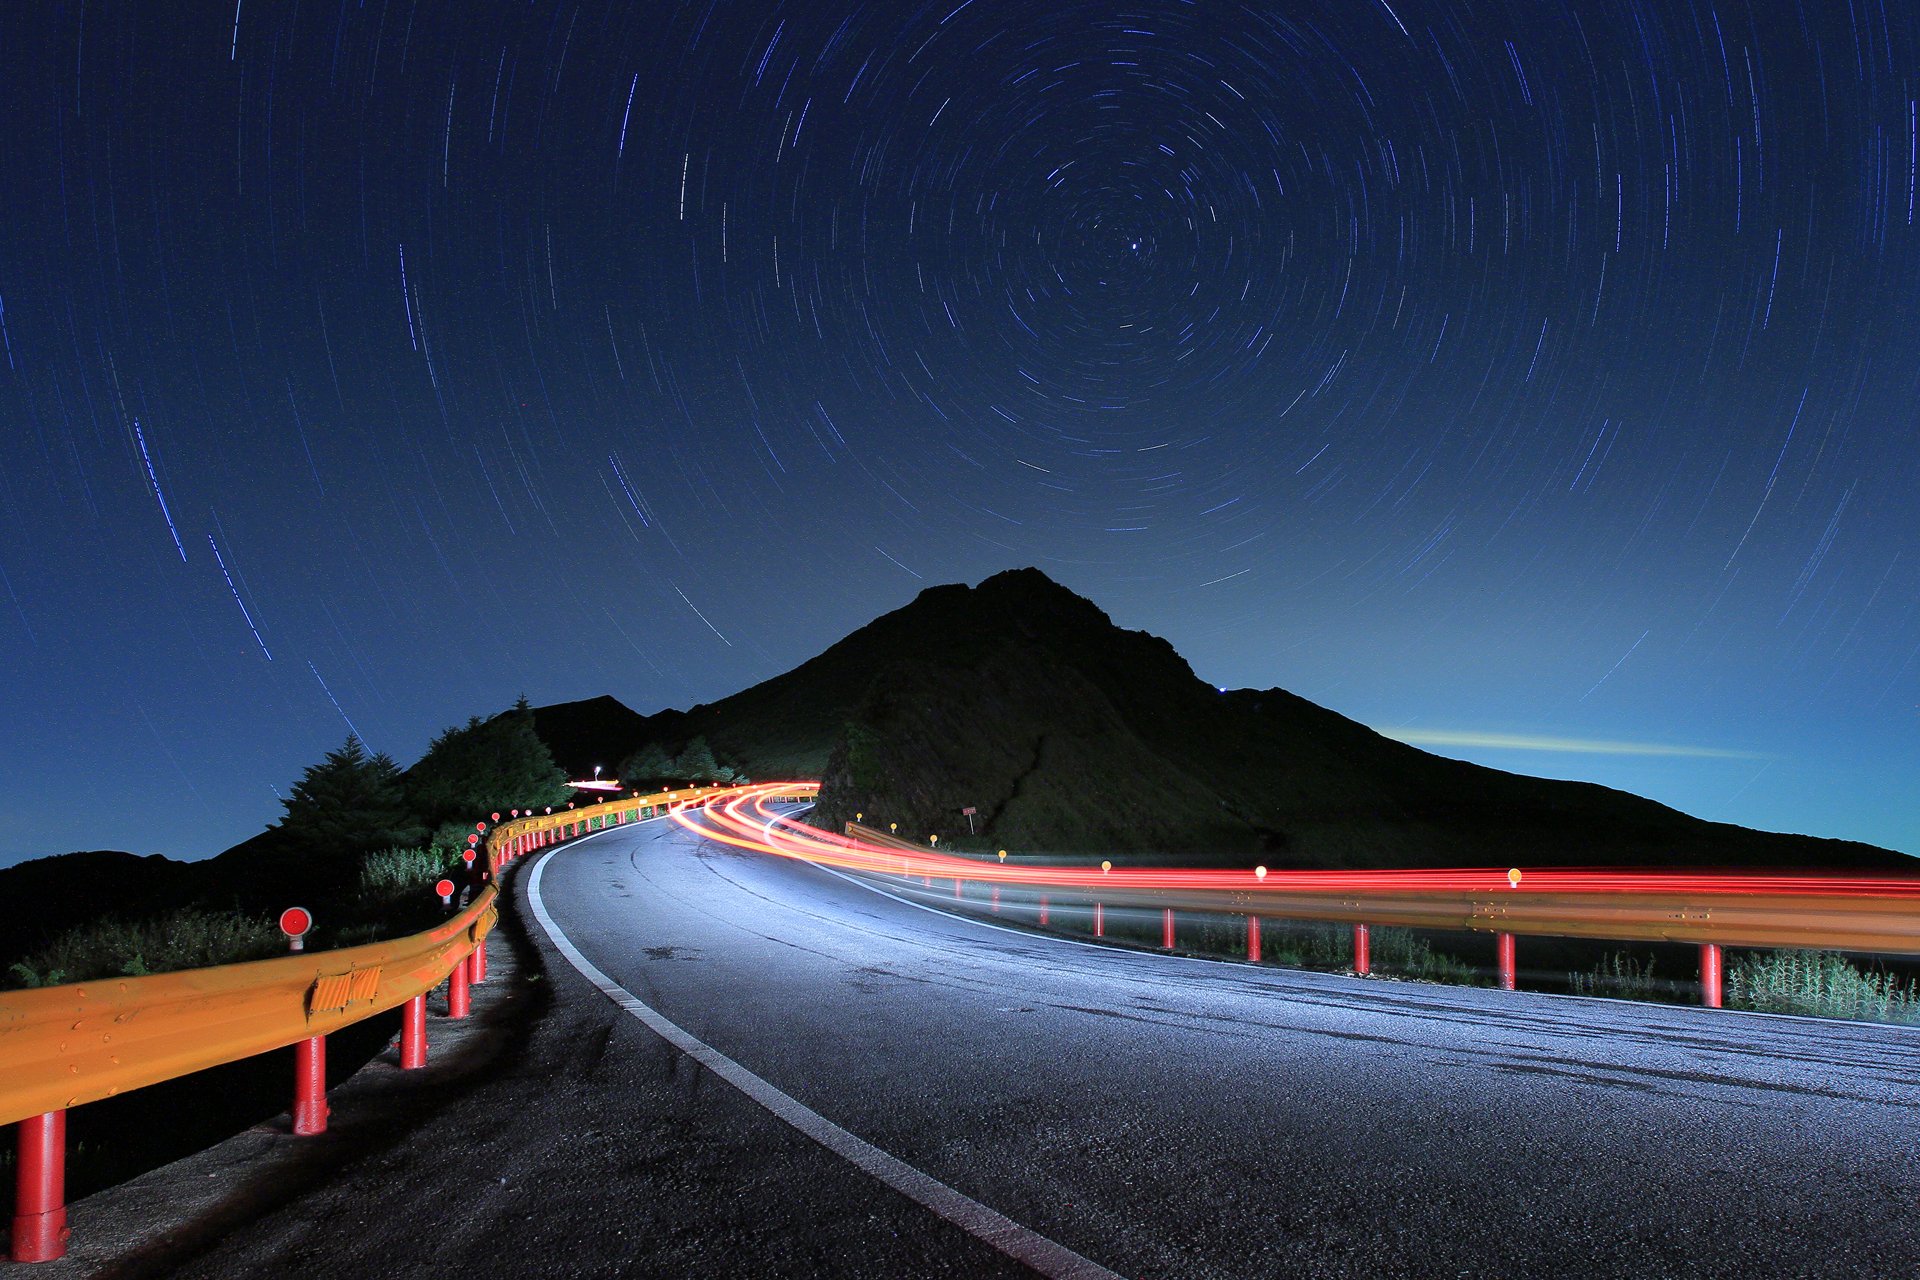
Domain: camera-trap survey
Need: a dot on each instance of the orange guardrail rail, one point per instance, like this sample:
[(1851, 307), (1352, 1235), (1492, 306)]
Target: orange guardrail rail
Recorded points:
[(65, 1046)]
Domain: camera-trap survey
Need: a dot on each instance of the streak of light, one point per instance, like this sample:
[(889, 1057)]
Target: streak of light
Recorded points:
[(746, 821), (221, 561), (351, 726), (154, 480)]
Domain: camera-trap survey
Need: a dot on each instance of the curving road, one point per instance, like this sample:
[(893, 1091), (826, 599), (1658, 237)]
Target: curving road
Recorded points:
[(1092, 1109)]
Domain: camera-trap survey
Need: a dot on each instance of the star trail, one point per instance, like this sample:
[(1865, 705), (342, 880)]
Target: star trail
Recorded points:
[(1497, 374)]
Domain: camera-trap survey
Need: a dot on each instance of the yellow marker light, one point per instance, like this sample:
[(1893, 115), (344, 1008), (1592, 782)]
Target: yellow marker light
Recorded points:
[(1513, 878), (1105, 866), (1003, 855)]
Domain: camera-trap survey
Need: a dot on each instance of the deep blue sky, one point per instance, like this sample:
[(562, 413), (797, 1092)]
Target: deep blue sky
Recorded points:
[(1510, 376)]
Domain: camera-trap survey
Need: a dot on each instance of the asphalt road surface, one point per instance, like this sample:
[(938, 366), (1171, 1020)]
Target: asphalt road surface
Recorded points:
[(1151, 1115)]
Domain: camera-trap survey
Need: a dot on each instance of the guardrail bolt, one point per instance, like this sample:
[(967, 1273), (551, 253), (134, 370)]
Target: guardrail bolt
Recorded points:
[(413, 1034), (1503, 960), (1362, 951), (1166, 929), (1710, 974), (1253, 938), (459, 995), (40, 1191), (310, 1086)]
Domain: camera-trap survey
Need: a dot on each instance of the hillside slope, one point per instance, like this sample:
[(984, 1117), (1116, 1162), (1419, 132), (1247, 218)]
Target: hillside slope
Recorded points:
[(1069, 734)]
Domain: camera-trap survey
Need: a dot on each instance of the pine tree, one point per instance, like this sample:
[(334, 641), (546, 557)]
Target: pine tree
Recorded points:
[(696, 762), (648, 765), (485, 766), (349, 803)]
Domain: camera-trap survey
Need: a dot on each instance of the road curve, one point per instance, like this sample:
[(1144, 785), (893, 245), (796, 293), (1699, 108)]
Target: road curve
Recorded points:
[(1153, 1115)]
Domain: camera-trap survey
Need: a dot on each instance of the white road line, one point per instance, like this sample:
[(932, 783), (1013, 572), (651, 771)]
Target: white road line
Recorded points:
[(1045, 1256)]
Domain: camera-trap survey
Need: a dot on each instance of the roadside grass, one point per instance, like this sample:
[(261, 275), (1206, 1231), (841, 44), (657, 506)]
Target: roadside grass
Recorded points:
[(112, 948), (393, 896), (393, 873), (1625, 976), (1824, 984)]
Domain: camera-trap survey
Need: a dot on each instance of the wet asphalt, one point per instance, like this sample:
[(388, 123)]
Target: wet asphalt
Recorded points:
[(1158, 1115)]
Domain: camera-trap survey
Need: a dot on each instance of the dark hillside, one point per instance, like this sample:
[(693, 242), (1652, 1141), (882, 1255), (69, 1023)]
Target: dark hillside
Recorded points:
[(594, 731), (1069, 734)]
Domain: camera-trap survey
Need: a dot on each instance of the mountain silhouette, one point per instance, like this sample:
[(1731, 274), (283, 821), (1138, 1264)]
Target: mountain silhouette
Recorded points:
[(1067, 734)]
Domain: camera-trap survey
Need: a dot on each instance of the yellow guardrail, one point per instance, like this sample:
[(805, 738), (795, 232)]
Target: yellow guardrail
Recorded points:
[(65, 1046)]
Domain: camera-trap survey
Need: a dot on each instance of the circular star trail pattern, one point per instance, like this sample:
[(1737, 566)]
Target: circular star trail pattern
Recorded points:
[(1537, 381)]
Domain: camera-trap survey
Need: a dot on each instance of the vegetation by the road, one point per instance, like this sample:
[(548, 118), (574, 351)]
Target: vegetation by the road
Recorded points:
[(360, 845), (1822, 983), (186, 939)]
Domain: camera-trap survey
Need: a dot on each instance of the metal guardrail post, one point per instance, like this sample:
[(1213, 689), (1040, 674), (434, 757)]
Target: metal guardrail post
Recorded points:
[(459, 992), (40, 1193), (310, 1086), (1099, 920), (1362, 951), (1043, 908), (1253, 938), (413, 1034), (1710, 974), (1166, 929), (1503, 961)]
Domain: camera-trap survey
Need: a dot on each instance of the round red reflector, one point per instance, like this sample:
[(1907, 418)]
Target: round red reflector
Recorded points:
[(468, 855), (444, 888), (295, 921), (473, 839)]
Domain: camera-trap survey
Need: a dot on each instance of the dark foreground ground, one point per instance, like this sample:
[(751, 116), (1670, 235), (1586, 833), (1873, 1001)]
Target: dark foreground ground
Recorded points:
[(1159, 1116)]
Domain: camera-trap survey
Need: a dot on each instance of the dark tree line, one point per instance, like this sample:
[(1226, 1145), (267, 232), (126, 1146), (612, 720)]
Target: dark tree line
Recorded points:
[(353, 801)]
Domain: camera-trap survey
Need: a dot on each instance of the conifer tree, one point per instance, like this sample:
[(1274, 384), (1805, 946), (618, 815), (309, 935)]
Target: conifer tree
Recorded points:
[(484, 766), (349, 803)]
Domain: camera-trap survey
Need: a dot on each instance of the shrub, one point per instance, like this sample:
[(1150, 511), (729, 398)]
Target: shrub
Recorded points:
[(391, 873), (1621, 975), (111, 948), (1821, 983)]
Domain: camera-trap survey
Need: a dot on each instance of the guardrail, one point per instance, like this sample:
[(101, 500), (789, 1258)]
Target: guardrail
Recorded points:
[(1843, 913), (62, 1047)]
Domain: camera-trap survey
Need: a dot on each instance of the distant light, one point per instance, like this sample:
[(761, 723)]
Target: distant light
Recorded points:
[(596, 784), (1222, 688)]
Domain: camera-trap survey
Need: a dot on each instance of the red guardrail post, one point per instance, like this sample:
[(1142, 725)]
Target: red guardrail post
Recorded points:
[(959, 887), (413, 1034), (1043, 909), (1099, 920), (1710, 974), (1253, 938), (310, 1086), (40, 1192), (1503, 960), (996, 899), (1166, 928), (459, 995), (479, 961), (1362, 950)]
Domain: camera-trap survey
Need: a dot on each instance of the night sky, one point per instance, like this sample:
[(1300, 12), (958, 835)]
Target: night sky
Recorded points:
[(1536, 381)]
